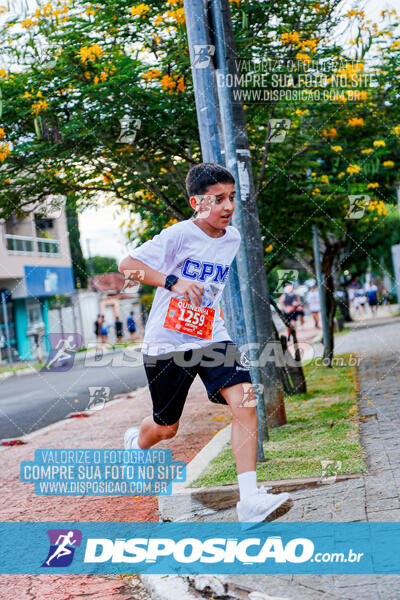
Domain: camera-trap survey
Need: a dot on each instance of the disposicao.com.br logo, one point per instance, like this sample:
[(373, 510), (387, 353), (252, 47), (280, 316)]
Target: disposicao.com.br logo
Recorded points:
[(62, 547), (212, 551)]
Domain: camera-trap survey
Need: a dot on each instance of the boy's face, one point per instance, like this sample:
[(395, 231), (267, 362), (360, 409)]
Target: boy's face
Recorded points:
[(216, 206)]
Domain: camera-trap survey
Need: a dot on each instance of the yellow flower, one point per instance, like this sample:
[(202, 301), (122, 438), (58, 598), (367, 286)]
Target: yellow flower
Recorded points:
[(181, 85), (303, 57), (388, 163), (356, 122), (353, 169), (4, 151), (178, 15), (300, 112), (41, 105), (171, 222), (103, 76), (2, 133), (336, 148), (397, 130), (152, 74), (168, 83), (290, 38), (90, 10), (269, 248), (372, 186), (324, 179), (316, 191), (355, 13), (367, 150), (96, 80), (342, 174), (90, 52), (140, 9), (329, 132), (379, 143), (158, 20)]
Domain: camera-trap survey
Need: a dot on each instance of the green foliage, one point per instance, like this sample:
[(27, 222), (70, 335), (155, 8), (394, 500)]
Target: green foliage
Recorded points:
[(78, 262), (103, 264), (87, 66)]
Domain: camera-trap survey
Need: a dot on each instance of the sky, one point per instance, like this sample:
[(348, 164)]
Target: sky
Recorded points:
[(100, 229)]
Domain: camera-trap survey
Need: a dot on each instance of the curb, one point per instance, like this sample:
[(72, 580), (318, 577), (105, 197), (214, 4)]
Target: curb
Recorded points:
[(78, 357), (186, 504), (196, 587), (17, 373)]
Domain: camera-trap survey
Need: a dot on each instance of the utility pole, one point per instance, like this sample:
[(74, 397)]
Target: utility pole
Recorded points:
[(238, 310), (90, 264), (321, 291), (273, 390), (228, 135), (4, 296)]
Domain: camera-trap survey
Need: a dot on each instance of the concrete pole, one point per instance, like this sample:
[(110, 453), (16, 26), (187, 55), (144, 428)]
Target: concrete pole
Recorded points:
[(225, 106), (211, 152), (5, 316), (273, 390), (320, 284)]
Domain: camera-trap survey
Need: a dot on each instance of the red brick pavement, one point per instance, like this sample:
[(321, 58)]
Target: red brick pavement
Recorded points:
[(201, 420)]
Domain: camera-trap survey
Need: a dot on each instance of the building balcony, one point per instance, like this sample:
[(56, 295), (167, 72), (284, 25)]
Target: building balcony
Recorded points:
[(21, 244)]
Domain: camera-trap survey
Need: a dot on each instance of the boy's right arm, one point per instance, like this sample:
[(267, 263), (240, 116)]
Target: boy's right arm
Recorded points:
[(135, 269)]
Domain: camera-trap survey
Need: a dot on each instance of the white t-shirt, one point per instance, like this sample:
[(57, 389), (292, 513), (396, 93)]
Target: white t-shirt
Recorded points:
[(188, 252), (313, 301)]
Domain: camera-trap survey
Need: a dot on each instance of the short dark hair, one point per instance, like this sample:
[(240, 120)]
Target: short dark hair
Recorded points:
[(204, 175)]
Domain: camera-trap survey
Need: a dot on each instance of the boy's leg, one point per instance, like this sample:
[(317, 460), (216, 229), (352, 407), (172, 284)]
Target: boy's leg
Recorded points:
[(151, 433), (244, 428), (169, 382)]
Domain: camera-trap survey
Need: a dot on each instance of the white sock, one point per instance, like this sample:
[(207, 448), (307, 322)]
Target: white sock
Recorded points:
[(247, 484), (134, 444)]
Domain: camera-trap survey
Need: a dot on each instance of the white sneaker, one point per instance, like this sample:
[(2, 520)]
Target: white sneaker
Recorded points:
[(130, 436), (257, 507)]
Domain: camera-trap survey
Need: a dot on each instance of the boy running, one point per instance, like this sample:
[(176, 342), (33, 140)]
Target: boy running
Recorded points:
[(189, 263)]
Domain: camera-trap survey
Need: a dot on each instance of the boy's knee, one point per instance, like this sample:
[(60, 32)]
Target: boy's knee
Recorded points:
[(166, 432), (241, 412)]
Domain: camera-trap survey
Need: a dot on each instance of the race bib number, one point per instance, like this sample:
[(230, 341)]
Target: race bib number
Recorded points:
[(187, 318)]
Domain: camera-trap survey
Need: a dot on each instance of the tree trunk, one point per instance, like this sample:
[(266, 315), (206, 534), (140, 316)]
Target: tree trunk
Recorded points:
[(328, 260)]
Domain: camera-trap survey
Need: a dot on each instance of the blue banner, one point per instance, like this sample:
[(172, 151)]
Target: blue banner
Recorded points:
[(102, 472), (194, 548), (48, 281)]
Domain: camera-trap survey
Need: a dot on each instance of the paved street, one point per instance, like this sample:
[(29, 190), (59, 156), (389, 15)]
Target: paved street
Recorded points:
[(33, 401)]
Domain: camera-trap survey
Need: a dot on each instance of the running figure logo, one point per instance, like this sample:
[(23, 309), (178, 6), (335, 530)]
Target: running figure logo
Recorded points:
[(62, 547), (62, 351), (98, 396)]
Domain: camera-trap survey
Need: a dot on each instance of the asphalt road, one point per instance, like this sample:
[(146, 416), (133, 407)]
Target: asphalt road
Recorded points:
[(34, 401)]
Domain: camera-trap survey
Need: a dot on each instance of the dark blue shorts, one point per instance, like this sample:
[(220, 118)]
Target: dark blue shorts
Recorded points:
[(171, 375)]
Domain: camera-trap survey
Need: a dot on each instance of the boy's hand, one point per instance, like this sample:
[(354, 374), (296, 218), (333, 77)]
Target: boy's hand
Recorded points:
[(190, 290)]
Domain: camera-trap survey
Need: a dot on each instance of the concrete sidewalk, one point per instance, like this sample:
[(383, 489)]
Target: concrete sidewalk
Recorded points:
[(375, 496)]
